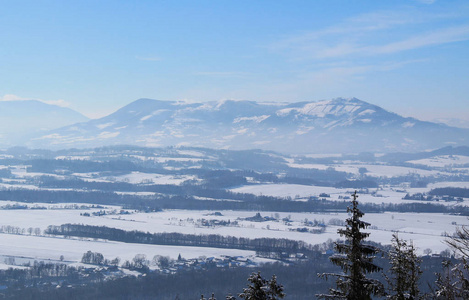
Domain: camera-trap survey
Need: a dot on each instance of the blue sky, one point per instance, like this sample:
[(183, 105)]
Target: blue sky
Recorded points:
[(410, 57)]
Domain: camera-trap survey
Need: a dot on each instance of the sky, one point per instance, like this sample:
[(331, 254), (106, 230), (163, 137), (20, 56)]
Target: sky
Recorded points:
[(407, 56)]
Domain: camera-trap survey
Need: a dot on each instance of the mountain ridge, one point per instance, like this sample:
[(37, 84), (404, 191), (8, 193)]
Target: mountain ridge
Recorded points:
[(23, 119), (322, 126)]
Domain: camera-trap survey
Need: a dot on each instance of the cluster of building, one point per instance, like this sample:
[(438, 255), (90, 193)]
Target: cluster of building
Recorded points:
[(203, 263)]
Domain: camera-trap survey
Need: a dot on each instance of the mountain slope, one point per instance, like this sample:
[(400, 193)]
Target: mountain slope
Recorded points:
[(338, 125), (21, 120)]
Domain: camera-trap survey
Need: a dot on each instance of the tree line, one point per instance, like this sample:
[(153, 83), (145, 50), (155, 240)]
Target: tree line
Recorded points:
[(180, 239), (187, 201)]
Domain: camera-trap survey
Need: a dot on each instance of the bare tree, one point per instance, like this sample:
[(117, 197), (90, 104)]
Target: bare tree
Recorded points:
[(459, 242), (453, 282)]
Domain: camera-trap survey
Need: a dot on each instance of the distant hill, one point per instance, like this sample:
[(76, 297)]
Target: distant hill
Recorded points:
[(21, 120), (333, 126)]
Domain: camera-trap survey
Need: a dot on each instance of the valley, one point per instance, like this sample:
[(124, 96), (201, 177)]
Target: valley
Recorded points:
[(243, 194)]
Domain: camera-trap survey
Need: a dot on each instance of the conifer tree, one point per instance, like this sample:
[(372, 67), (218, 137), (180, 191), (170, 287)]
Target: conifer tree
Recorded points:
[(404, 272), (262, 289), (355, 259)]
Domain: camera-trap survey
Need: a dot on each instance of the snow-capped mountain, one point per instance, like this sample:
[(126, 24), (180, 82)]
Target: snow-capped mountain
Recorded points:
[(338, 125), (20, 120)]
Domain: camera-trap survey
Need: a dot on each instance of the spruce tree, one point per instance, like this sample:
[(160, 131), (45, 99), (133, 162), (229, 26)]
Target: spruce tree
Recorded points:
[(404, 272), (355, 259), (262, 289)]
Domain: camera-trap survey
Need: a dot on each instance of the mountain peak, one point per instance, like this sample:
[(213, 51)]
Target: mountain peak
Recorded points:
[(324, 126), (353, 101)]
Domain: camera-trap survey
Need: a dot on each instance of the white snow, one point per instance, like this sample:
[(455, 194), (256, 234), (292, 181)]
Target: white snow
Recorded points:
[(367, 112), (321, 109), (256, 119), (442, 161), (73, 157), (408, 124), (146, 117), (51, 248), (285, 190), (105, 125), (424, 229), (107, 135), (374, 170), (139, 177)]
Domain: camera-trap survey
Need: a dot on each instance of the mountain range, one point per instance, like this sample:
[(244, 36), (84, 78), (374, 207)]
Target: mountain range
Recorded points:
[(22, 120), (331, 126)]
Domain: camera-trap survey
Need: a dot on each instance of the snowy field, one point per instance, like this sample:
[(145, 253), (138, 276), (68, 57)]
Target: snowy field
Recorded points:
[(51, 248), (426, 230), (442, 161), (383, 194), (373, 170)]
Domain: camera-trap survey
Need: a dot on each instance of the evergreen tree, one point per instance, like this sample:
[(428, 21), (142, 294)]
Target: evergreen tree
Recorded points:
[(405, 270), (355, 259), (262, 289)]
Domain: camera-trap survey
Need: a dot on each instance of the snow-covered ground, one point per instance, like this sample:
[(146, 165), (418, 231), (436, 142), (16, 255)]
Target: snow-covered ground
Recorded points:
[(20, 173), (424, 229), (373, 170), (287, 190), (51, 248), (442, 161), (382, 195), (139, 177)]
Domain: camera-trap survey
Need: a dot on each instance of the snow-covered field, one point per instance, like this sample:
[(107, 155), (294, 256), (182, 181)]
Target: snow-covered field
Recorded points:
[(139, 177), (442, 161), (373, 170), (51, 248), (287, 190), (382, 195), (424, 229)]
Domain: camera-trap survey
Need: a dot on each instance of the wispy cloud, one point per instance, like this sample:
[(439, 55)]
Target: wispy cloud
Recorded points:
[(438, 37), (11, 97), (376, 33), (329, 80)]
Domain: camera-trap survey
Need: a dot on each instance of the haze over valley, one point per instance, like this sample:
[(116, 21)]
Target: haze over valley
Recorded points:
[(180, 150), (330, 126)]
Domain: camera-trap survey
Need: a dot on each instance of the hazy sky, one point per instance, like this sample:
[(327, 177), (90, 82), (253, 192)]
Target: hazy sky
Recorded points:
[(410, 57)]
